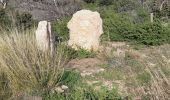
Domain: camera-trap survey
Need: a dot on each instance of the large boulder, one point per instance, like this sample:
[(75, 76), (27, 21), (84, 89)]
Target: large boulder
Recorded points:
[(85, 30), (44, 36), (45, 9)]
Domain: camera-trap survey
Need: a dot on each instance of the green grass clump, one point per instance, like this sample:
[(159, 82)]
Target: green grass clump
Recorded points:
[(24, 21), (112, 74), (86, 94), (144, 78), (79, 54)]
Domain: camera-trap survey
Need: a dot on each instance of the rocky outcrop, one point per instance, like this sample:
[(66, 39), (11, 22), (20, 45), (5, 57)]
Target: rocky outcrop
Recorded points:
[(85, 29)]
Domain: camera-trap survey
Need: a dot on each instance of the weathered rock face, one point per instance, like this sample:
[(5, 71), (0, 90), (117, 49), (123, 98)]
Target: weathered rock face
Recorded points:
[(44, 37), (45, 9), (85, 30)]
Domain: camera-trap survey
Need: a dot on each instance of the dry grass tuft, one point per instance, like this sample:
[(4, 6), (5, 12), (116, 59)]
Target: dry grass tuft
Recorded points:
[(25, 67)]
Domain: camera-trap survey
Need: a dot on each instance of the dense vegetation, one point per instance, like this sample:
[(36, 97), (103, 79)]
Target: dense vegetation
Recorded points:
[(127, 20), (123, 20)]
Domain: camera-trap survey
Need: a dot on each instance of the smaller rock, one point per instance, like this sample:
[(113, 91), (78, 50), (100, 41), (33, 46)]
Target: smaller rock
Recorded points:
[(86, 74), (52, 91), (108, 84), (44, 36), (151, 64), (97, 88), (59, 90), (92, 82), (64, 87), (100, 70)]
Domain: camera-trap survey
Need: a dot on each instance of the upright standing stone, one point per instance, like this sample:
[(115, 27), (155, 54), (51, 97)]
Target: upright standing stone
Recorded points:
[(151, 16), (44, 36), (85, 30)]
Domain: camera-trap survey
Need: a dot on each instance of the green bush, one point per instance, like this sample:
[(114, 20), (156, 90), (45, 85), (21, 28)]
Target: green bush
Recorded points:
[(115, 25), (126, 20), (142, 16), (106, 2), (89, 1), (121, 27), (5, 21), (60, 28), (81, 53), (24, 20), (21, 21), (149, 34)]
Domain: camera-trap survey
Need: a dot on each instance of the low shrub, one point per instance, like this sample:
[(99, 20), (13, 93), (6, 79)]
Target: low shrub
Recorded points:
[(121, 27), (89, 1), (149, 34), (115, 25), (10, 19), (60, 28), (79, 54), (128, 21), (141, 16), (106, 2), (5, 21), (24, 21)]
